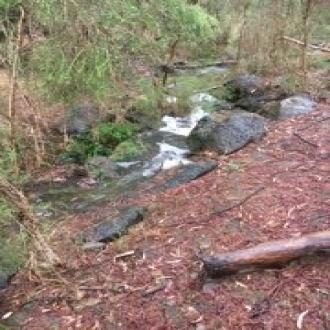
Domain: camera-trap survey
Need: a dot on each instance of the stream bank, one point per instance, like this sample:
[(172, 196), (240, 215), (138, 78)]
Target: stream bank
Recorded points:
[(171, 154)]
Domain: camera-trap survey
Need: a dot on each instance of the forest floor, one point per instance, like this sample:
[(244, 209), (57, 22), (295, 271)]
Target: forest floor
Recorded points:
[(151, 278)]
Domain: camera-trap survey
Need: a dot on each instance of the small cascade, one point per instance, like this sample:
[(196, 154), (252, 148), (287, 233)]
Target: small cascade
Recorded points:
[(170, 156)]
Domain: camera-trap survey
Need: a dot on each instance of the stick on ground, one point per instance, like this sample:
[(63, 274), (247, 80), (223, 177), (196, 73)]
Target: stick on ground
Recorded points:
[(273, 253)]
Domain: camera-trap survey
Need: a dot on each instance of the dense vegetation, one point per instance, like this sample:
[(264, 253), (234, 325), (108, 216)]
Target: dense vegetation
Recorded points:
[(59, 54)]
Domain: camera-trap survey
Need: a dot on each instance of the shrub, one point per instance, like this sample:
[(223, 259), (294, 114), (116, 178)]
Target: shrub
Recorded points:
[(128, 150), (100, 141)]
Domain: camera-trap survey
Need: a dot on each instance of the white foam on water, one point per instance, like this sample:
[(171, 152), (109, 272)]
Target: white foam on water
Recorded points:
[(203, 97), (127, 164), (168, 157), (183, 125), (170, 99)]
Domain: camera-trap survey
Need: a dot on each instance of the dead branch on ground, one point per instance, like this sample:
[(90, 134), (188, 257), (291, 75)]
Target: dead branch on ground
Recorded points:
[(16, 198), (272, 253)]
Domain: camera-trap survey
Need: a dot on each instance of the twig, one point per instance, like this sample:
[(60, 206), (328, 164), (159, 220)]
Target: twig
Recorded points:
[(218, 212), (305, 141), (241, 202), (154, 289), (123, 255)]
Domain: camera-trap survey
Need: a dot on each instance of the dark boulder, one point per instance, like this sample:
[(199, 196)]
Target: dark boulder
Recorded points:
[(227, 136), (244, 86), (189, 173), (267, 105), (112, 229)]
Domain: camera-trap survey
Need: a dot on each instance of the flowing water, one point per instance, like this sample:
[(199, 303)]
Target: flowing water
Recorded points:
[(169, 151)]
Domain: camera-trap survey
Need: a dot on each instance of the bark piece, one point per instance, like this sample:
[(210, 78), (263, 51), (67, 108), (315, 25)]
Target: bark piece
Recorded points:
[(272, 253)]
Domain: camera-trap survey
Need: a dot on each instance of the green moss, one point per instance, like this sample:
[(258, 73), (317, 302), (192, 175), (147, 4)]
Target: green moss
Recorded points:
[(128, 150)]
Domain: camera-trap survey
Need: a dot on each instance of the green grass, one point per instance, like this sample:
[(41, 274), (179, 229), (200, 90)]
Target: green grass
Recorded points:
[(320, 63)]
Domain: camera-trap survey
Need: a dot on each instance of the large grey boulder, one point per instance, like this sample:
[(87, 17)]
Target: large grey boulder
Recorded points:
[(227, 136), (296, 105), (112, 229)]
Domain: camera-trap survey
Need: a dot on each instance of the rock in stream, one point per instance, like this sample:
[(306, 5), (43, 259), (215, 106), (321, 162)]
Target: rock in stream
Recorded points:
[(189, 173), (113, 228), (228, 136)]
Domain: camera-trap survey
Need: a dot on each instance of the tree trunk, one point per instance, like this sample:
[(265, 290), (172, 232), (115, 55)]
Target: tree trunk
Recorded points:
[(273, 253), (241, 33), (306, 15), (12, 91)]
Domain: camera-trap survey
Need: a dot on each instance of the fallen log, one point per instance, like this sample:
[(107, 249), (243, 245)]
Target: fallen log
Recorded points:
[(273, 253), (300, 43)]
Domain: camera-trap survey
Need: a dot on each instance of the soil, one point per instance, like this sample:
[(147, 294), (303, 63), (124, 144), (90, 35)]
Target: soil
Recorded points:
[(152, 278)]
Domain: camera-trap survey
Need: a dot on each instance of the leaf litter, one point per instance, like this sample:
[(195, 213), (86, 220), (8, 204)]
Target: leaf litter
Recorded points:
[(151, 278)]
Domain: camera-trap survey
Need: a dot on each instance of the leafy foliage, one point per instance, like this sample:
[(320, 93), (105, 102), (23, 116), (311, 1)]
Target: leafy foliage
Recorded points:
[(92, 52), (128, 150), (100, 141)]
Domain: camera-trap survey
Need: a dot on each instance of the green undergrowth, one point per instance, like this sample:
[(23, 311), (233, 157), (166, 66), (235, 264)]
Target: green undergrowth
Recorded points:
[(320, 63), (100, 141), (12, 242), (128, 150)]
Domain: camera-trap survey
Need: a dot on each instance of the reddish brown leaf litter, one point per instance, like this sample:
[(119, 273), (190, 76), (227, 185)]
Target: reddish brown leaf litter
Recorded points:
[(278, 188)]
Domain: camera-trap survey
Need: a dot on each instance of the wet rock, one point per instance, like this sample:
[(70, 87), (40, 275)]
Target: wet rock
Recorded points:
[(104, 167), (244, 86), (112, 229), (189, 173), (81, 118), (256, 95), (296, 105), (267, 105), (228, 136)]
